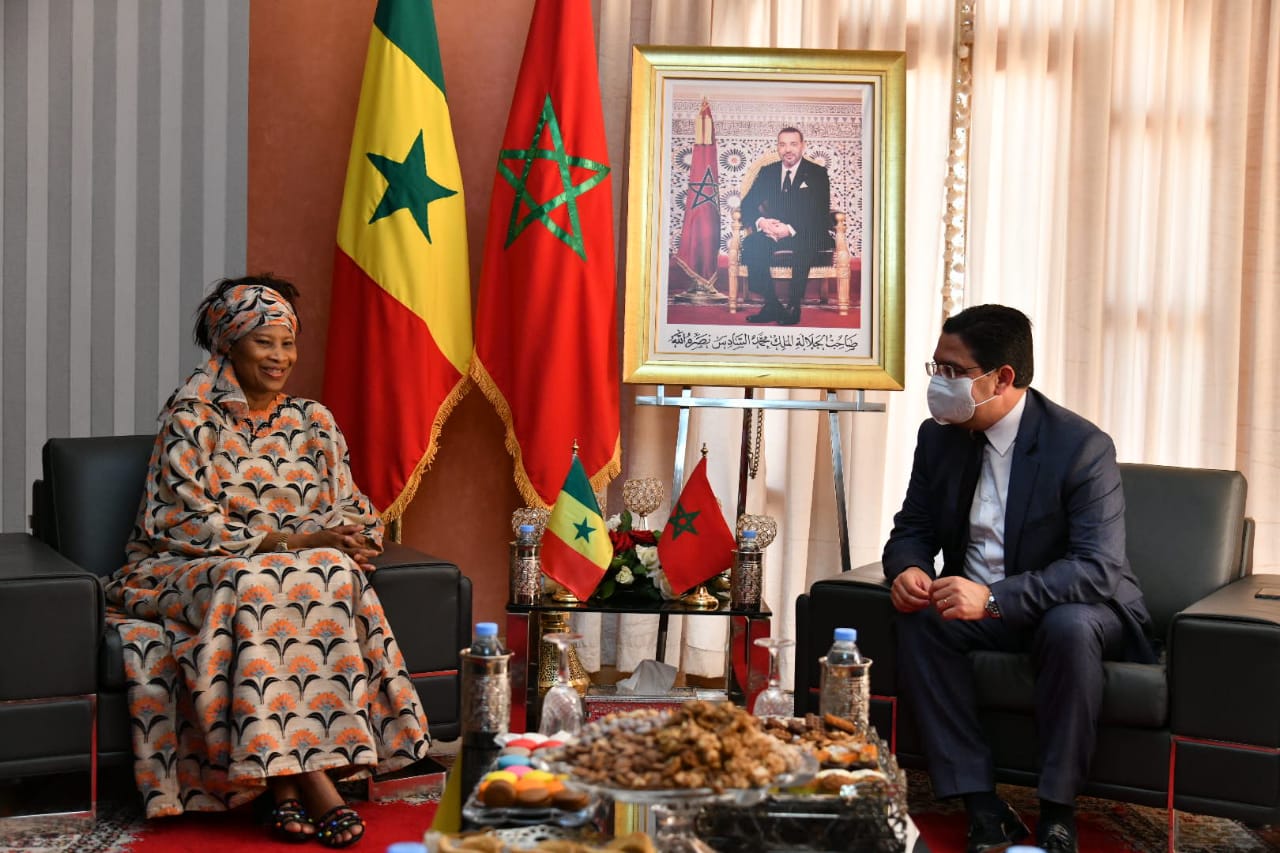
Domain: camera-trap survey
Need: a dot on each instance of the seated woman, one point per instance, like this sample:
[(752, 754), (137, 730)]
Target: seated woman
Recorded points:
[(256, 651)]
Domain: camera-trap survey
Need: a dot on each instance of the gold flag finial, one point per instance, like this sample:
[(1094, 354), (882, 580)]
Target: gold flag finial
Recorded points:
[(575, 448), (704, 450)]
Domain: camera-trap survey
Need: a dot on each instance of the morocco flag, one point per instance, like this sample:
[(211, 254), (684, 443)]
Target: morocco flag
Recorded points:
[(400, 315), (696, 544), (576, 548), (700, 234), (546, 336)]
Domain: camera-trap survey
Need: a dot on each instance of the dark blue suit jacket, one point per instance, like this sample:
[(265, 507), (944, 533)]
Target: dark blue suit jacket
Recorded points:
[(807, 208), (1064, 523)]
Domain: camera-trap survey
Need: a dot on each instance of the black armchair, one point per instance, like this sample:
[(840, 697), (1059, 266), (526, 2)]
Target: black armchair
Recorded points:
[(63, 667), (1199, 731)]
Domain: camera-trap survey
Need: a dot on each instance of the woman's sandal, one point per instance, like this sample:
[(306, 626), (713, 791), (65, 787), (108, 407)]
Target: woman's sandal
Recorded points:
[(279, 815), (336, 821)]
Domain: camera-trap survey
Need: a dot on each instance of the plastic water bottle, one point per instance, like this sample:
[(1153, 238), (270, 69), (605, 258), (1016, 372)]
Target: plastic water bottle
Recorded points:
[(486, 703), (484, 642), (746, 575), (846, 681), (526, 566)]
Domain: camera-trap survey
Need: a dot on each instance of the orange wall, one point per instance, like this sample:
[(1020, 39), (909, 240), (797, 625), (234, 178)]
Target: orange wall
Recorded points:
[(305, 64)]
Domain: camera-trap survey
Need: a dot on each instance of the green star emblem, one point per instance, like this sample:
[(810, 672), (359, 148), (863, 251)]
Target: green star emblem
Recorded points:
[(704, 191), (569, 193), (682, 522), (408, 186), (584, 530)]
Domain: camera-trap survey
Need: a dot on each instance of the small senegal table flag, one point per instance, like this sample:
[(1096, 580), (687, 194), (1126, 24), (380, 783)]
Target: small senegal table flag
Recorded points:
[(399, 347), (575, 546), (696, 545)]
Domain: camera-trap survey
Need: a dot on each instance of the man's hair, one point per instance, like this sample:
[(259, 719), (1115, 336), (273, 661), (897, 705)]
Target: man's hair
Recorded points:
[(794, 130), (996, 335)]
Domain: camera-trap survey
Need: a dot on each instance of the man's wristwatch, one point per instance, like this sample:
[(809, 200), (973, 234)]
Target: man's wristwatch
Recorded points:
[(993, 609)]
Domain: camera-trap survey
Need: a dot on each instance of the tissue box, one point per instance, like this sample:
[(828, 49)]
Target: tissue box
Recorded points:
[(605, 699)]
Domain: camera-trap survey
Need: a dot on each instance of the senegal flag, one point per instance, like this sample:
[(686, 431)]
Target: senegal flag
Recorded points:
[(399, 346), (575, 547)]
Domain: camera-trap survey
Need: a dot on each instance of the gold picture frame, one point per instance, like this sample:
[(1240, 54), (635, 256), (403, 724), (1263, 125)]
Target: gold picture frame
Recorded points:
[(705, 124)]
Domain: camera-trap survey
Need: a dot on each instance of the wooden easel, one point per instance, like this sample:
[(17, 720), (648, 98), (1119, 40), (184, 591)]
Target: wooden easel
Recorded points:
[(831, 405)]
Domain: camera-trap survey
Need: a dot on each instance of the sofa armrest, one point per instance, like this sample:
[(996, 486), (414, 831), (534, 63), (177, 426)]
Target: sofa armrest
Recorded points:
[(51, 611), (1224, 666), (855, 599), (428, 603)]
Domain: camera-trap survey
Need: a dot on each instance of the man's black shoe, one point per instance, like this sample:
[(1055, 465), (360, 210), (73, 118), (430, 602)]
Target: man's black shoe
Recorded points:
[(995, 830), (790, 316), (1056, 836), (770, 312)]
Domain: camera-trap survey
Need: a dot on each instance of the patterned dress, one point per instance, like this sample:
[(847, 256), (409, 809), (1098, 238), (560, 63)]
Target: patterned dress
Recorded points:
[(244, 666)]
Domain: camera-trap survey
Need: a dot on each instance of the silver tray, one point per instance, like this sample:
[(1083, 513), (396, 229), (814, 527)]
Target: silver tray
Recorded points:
[(479, 814)]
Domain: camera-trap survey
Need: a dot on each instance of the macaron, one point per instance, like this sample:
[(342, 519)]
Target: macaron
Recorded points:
[(532, 797), (516, 750), (519, 769), (526, 742), (504, 775), (498, 794), (550, 744), (569, 800), (542, 777), (505, 761)]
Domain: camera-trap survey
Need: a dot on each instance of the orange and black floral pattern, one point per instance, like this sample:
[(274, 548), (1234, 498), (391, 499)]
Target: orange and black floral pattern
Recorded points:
[(244, 666)]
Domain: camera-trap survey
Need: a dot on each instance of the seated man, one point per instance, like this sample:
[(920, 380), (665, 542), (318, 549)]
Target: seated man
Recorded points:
[(789, 208), (1024, 500)]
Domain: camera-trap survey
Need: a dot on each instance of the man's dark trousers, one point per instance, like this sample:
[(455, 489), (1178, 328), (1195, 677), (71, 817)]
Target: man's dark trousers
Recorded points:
[(1067, 648), (757, 254)]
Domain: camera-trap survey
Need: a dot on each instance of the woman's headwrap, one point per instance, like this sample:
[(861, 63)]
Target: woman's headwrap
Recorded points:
[(241, 309), (244, 308)]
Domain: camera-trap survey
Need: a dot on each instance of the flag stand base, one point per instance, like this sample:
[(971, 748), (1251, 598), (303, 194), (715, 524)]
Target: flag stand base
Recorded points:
[(699, 294), (700, 599)]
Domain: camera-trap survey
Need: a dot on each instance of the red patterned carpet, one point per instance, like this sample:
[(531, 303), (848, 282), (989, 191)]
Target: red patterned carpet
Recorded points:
[(1105, 827)]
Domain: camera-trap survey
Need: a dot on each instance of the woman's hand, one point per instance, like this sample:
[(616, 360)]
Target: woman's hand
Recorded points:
[(348, 539)]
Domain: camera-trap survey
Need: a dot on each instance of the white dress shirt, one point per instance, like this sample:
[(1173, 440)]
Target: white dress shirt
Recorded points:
[(984, 558)]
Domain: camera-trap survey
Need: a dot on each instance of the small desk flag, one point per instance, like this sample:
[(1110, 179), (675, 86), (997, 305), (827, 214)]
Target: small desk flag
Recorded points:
[(576, 548), (696, 545)]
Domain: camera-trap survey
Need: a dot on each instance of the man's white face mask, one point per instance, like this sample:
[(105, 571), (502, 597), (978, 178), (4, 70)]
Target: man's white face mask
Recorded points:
[(951, 400)]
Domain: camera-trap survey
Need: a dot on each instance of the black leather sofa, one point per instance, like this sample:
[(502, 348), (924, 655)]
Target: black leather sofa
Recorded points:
[(1206, 718), (61, 660)]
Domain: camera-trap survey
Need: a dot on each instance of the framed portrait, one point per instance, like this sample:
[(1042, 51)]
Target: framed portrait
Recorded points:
[(765, 218)]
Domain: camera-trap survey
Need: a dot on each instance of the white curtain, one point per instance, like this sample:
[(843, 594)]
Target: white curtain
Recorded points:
[(1124, 193), (1124, 186)]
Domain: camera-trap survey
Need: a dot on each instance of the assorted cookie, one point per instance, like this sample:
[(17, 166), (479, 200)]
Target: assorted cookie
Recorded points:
[(698, 745), (832, 740)]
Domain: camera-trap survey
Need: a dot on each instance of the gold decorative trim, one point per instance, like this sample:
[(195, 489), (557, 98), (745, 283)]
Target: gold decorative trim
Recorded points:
[(956, 217)]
